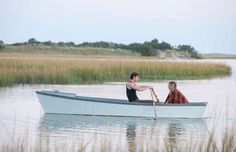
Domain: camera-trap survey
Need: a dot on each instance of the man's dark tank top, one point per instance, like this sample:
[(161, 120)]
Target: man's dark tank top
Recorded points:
[(131, 94)]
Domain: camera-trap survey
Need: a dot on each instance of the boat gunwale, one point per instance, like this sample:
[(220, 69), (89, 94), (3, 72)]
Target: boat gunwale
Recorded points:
[(111, 101), (151, 118)]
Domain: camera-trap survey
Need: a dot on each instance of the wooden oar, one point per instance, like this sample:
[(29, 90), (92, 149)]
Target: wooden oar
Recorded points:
[(157, 100), (153, 103)]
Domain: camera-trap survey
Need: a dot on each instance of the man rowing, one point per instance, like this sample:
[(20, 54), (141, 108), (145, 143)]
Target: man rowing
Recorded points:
[(132, 87)]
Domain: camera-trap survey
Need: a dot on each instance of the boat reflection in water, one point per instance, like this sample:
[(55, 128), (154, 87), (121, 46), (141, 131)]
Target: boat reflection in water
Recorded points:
[(129, 132)]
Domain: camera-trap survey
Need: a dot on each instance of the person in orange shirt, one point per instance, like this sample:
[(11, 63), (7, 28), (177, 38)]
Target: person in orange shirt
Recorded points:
[(175, 96)]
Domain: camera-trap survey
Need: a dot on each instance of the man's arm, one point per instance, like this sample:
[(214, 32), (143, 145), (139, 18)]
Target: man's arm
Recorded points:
[(138, 88), (145, 87)]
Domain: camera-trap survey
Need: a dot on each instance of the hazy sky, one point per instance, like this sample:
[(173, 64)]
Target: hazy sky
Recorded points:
[(208, 25)]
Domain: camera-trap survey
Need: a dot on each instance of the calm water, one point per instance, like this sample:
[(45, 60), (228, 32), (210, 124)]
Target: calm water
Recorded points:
[(21, 115)]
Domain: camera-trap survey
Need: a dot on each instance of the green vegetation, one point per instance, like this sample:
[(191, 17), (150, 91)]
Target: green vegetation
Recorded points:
[(66, 50), (65, 69), (2, 45), (148, 48)]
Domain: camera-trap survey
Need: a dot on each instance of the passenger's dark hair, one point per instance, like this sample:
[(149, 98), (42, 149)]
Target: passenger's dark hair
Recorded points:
[(173, 83), (134, 74)]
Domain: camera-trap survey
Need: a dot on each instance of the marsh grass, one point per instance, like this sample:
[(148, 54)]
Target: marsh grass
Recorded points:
[(212, 140), (62, 69), (104, 144)]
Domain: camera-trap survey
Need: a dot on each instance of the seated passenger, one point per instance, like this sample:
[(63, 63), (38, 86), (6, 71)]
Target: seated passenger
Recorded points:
[(175, 96)]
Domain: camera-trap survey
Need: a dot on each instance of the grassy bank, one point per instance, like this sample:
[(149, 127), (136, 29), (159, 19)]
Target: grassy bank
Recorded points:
[(55, 49), (63, 69), (218, 56)]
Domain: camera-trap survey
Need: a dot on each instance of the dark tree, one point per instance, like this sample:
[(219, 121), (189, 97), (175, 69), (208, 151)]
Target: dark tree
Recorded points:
[(2, 45), (33, 41), (164, 46), (48, 43), (143, 49), (190, 49), (154, 43), (185, 48), (61, 43), (70, 44)]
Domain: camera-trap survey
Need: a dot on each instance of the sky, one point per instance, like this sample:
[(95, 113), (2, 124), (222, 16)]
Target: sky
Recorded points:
[(207, 25)]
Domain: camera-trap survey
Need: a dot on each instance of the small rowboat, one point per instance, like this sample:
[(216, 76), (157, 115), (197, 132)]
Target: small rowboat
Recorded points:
[(70, 103)]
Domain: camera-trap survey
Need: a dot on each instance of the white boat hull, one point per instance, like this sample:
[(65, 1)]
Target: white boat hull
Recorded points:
[(67, 103)]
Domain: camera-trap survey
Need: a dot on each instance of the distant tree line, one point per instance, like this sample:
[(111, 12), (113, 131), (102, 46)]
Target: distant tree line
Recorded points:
[(148, 48), (33, 41)]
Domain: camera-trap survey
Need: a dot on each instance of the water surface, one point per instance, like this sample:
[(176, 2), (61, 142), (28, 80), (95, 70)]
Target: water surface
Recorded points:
[(22, 115)]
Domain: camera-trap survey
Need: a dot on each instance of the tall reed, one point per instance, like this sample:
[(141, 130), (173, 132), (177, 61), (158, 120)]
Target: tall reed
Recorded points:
[(105, 144), (33, 69)]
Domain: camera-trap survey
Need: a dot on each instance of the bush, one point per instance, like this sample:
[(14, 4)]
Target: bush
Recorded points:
[(2, 45)]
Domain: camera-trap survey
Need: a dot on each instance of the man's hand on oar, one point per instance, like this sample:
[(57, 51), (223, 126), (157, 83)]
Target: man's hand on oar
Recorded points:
[(154, 99)]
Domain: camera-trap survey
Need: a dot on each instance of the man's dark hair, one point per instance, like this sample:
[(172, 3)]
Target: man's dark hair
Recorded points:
[(173, 83), (134, 74)]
